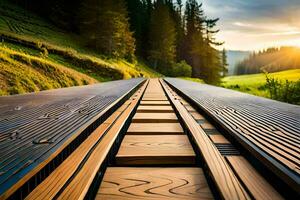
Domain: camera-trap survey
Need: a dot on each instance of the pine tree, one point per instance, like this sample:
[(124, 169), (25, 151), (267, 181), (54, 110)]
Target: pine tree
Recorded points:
[(89, 21), (194, 39), (139, 12), (105, 25), (162, 37), (199, 41), (179, 26), (214, 68)]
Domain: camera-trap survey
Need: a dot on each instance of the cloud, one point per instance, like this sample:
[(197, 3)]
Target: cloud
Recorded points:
[(241, 24), (258, 22)]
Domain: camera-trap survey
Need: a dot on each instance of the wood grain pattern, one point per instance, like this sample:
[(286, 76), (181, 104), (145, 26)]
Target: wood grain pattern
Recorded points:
[(154, 184), (207, 125), (154, 129), (268, 129), (155, 149), (154, 99), (78, 187), (84, 163), (155, 118), (219, 139), (37, 127), (255, 183), (190, 108), (155, 109), (155, 103), (197, 116), (226, 181)]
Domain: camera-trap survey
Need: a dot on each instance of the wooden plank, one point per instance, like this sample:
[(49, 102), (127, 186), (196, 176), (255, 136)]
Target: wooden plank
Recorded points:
[(155, 109), (61, 115), (268, 129), (255, 183), (154, 118), (62, 179), (157, 94), (207, 125), (219, 139), (154, 128), (154, 183), (53, 183), (153, 149), (197, 116), (154, 99), (190, 108), (155, 103), (185, 103), (224, 178)]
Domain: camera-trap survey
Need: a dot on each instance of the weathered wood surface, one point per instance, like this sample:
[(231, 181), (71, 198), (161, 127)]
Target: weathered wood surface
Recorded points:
[(83, 164), (156, 109), (254, 182), (219, 139), (154, 183), (269, 129), (155, 103), (155, 118), (224, 178), (155, 149), (35, 127), (154, 129)]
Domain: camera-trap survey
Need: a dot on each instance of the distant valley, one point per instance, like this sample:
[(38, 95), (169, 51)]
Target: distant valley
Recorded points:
[(233, 57)]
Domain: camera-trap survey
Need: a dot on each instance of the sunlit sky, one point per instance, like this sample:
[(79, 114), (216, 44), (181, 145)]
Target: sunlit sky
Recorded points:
[(256, 24)]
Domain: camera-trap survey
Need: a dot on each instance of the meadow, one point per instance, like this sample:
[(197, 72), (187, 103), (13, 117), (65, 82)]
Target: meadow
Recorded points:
[(255, 83)]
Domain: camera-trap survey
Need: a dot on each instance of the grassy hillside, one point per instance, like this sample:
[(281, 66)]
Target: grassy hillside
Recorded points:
[(254, 83), (21, 73), (32, 38), (271, 60)]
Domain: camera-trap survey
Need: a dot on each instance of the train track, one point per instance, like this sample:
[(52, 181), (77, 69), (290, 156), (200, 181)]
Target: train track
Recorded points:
[(156, 145)]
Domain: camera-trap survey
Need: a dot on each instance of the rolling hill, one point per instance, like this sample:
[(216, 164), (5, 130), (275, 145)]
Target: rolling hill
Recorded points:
[(36, 55), (254, 83), (271, 60)]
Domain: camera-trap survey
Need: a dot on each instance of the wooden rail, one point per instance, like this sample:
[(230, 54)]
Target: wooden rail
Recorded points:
[(41, 130), (226, 182), (156, 146), (268, 130), (82, 166)]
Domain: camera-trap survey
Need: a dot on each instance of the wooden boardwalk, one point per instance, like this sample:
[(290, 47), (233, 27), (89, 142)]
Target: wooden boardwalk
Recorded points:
[(268, 129), (37, 130), (154, 144)]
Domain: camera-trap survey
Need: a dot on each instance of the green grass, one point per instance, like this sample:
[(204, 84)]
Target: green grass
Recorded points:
[(254, 83), (24, 33), (193, 79), (15, 20), (22, 73)]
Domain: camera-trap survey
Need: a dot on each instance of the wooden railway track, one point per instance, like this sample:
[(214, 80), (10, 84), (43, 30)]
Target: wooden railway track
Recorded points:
[(157, 145)]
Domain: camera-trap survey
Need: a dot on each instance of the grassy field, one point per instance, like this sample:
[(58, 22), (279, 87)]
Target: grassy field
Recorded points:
[(26, 34), (254, 83)]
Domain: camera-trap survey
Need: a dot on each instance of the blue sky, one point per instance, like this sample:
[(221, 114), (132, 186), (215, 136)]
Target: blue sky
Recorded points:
[(256, 24)]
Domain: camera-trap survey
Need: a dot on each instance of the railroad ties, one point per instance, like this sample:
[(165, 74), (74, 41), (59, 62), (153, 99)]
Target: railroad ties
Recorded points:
[(156, 145), (156, 158)]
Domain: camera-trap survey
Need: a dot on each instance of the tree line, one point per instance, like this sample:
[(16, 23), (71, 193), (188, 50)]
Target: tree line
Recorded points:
[(174, 39), (270, 60)]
